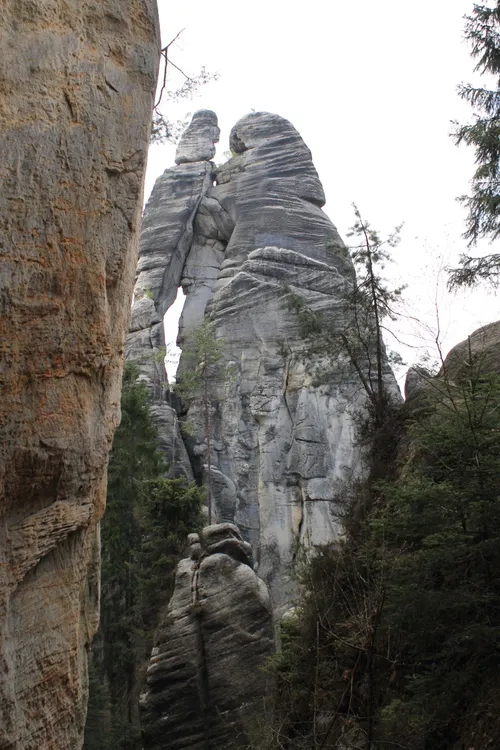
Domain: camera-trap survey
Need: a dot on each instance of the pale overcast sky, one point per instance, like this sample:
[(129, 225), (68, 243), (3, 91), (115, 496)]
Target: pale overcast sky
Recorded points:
[(371, 87)]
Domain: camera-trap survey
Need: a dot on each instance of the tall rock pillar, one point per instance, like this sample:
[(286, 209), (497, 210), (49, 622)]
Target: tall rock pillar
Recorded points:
[(76, 89)]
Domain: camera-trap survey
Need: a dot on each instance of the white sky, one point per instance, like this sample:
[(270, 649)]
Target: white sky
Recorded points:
[(371, 87)]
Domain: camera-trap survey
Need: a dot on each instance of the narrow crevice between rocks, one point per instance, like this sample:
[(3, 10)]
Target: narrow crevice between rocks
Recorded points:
[(203, 683)]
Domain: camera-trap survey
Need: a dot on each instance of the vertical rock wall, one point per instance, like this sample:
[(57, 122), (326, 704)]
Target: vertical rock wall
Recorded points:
[(284, 439), (76, 87)]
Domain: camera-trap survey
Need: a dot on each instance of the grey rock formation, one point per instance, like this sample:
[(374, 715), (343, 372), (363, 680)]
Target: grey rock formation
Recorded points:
[(75, 112), (283, 441), (206, 687), (165, 244), (482, 347), (198, 141)]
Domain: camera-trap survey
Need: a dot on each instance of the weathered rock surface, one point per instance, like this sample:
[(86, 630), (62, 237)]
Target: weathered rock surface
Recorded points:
[(165, 243), (482, 347), (416, 377), (205, 686), (241, 247), (76, 87), (283, 441), (198, 141)]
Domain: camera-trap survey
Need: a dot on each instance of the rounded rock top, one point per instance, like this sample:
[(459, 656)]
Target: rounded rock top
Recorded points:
[(198, 141)]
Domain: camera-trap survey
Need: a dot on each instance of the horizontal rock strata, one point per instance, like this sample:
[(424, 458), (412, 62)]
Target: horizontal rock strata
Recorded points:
[(206, 687), (282, 440), (165, 244)]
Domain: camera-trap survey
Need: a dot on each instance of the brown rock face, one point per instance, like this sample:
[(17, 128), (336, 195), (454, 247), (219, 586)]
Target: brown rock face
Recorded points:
[(76, 86)]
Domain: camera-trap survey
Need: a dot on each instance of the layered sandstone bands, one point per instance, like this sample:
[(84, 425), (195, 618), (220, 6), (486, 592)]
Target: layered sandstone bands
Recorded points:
[(242, 239), (207, 684), (76, 84), (167, 247)]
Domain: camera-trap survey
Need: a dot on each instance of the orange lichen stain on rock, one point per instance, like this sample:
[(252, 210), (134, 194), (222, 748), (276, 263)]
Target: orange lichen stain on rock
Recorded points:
[(63, 204), (55, 371), (116, 51), (73, 241), (41, 307), (59, 338), (67, 206), (29, 248), (128, 105)]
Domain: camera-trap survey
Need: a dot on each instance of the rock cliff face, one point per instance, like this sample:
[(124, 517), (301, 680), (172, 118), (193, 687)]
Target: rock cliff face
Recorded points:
[(76, 86), (205, 686), (241, 240)]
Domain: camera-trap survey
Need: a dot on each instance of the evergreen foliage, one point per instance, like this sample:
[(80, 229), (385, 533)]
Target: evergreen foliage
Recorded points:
[(444, 601), (143, 534), (369, 302), (482, 30), (372, 302), (399, 629)]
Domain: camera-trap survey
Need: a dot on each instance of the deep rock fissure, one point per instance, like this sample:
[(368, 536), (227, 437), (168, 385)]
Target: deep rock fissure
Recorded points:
[(216, 242), (203, 680)]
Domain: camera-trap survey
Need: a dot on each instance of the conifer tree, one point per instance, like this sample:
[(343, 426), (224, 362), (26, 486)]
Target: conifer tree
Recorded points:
[(143, 534), (204, 373), (443, 605), (395, 643), (482, 30), (369, 302)]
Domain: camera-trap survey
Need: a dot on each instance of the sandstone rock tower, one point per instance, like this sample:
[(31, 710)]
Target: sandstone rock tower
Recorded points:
[(242, 239)]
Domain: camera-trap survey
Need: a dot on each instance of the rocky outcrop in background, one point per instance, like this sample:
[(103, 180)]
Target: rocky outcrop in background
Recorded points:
[(206, 685), (480, 350), (76, 84), (243, 239)]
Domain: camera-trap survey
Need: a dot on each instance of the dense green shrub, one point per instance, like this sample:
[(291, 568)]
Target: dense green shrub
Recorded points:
[(143, 535), (398, 630)]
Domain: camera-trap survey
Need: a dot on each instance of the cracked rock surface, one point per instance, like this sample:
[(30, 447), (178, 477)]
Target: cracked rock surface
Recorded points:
[(206, 686), (76, 87), (165, 244)]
